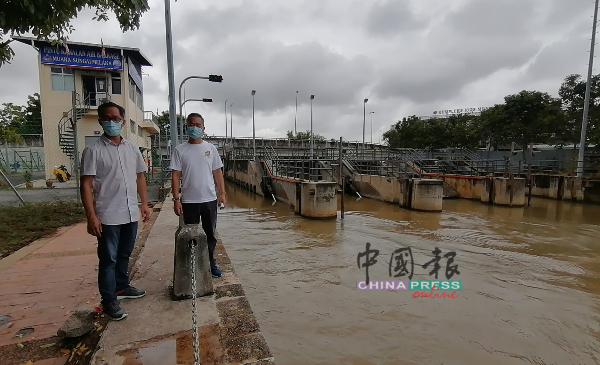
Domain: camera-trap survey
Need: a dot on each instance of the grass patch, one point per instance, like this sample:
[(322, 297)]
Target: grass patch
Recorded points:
[(21, 225)]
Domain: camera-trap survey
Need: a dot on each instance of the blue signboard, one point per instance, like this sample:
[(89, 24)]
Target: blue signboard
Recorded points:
[(77, 57)]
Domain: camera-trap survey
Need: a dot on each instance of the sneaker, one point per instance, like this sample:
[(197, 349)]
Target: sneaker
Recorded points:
[(113, 310), (216, 273), (130, 293)]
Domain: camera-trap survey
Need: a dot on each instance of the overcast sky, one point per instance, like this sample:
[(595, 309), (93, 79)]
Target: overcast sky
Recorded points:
[(406, 56)]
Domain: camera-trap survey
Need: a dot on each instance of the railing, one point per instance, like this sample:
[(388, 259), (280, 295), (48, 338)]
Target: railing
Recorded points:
[(66, 125)]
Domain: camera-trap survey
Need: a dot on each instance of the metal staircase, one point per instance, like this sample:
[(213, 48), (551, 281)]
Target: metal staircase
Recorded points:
[(66, 126)]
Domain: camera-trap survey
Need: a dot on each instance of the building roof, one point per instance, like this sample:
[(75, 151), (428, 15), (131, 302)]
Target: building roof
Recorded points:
[(134, 53)]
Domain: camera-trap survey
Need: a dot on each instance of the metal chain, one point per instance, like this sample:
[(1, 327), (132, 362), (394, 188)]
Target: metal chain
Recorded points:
[(194, 319)]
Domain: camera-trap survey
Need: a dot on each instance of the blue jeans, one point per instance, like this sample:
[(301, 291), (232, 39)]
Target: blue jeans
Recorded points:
[(114, 248)]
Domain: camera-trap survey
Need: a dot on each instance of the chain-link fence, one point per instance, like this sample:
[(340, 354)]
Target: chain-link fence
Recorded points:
[(41, 161)]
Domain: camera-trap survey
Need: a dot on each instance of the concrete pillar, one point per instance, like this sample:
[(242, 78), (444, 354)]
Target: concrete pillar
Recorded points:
[(404, 193), (427, 194), (182, 276), (318, 199), (501, 191)]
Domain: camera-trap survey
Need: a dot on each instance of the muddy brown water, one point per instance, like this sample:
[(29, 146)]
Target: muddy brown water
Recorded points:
[(530, 282)]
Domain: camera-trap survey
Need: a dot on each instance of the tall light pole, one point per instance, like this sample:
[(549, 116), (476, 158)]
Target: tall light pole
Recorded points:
[(371, 114), (171, 75), (226, 120), (253, 130), (296, 115), (364, 120), (586, 105), (312, 97), (231, 121)]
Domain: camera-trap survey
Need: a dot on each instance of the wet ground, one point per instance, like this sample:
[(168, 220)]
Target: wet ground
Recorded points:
[(530, 282)]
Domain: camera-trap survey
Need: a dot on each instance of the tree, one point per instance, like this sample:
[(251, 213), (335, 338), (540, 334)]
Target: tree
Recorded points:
[(305, 135), (533, 116), (50, 20), (572, 94)]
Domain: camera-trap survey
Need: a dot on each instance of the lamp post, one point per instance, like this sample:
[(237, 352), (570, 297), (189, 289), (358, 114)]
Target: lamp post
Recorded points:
[(371, 114), (364, 120), (312, 97), (170, 74), (226, 120), (296, 115), (231, 122), (586, 104), (212, 78), (253, 130)]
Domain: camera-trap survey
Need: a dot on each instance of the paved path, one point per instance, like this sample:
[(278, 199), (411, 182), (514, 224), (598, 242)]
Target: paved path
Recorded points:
[(41, 284)]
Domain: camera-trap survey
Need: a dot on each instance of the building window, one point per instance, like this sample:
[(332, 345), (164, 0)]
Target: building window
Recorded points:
[(132, 126), (139, 101), (140, 131), (116, 83), (62, 79), (132, 88)]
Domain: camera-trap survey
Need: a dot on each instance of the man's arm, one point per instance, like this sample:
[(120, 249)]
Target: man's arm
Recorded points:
[(218, 176), (143, 191), (175, 182), (94, 226)]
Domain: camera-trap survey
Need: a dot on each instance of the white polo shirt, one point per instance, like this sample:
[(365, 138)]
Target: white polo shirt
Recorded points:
[(196, 163), (115, 169)]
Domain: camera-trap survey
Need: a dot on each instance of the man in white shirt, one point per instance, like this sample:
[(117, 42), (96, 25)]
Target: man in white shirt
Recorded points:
[(112, 175), (198, 165)]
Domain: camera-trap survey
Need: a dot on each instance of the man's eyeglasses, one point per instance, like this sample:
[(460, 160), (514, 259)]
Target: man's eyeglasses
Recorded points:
[(115, 119)]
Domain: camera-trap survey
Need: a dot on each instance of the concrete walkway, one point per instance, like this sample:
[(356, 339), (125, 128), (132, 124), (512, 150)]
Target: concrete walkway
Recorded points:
[(44, 282), (158, 329)]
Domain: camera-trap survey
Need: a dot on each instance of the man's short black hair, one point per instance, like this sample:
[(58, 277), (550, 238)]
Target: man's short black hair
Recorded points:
[(102, 109), (193, 115)]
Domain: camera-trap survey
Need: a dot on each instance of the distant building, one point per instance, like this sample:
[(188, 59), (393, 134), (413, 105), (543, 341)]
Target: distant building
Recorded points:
[(74, 80)]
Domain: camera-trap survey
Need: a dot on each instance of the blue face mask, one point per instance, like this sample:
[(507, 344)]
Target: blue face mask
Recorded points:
[(195, 132), (111, 128)]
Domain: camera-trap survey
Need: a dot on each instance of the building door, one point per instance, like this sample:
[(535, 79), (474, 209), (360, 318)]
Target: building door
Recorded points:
[(89, 89), (101, 90)]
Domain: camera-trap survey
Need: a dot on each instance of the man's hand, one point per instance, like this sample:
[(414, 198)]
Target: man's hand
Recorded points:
[(94, 227), (177, 208), (146, 213), (222, 198)]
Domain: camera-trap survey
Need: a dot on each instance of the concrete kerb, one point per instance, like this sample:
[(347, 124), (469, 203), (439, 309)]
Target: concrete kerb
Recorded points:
[(229, 332)]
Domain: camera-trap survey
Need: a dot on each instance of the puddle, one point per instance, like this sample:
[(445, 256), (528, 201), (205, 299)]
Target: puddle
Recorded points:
[(170, 351), (24, 331)]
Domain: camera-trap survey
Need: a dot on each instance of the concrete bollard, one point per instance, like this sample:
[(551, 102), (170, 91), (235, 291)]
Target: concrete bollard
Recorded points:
[(182, 276), (427, 195)]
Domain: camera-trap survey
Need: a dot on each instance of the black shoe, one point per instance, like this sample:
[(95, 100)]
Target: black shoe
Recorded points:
[(130, 293), (113, 310)]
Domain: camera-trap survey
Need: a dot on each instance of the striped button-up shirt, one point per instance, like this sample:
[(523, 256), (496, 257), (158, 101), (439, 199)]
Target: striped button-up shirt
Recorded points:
[(115, 168)]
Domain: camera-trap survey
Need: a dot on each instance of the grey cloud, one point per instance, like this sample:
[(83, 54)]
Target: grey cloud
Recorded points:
[(493, 18), (560, 59), (391, 17)]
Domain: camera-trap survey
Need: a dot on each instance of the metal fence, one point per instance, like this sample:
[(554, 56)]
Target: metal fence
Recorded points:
[(44, 166)]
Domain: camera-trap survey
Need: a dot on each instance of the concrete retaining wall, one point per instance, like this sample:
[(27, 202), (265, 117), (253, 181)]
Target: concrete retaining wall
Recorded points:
[(501, 191), (318, 199), (378, 187), (427, 194), (557, 187), (467, 187), (592, 191)]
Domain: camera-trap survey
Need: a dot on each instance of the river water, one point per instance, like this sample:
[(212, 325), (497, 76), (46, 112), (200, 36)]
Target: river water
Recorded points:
[(530, 282)]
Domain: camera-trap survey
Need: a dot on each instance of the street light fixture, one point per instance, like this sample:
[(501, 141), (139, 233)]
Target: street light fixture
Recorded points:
[(364, 120), (212, 78), (253, 130), (371, 114), (312, 97)]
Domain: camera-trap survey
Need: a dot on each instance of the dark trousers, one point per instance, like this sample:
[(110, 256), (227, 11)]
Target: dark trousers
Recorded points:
[(207, 212), (114, 248)]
